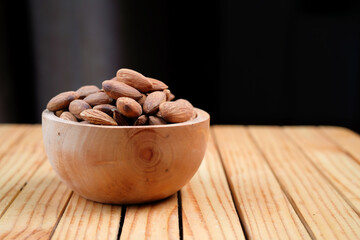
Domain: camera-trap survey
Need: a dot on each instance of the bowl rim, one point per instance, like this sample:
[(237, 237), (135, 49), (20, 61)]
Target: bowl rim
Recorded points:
[(202, 116)]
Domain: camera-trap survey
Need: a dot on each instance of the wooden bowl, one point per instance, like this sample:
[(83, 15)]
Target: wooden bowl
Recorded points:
[(125, 164)]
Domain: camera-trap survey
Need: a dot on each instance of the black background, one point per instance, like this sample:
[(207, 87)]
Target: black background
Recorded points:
[(245, 62)]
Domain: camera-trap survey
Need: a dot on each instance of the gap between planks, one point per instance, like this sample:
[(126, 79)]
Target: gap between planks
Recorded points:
[(319, 204), (86, 219), (19, 162), (232, 190), (207, 205), (345, 139), (155, 220), (336, 166), (263, 208)]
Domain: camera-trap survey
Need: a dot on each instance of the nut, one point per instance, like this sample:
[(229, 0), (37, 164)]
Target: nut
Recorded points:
[(153, 120), (177, 111), (134, 79), (77, 106), (106, 108), (152, 102), (138, 101), (97, 117), (128, 107), (68, 116), (85, 91), (142, 120), (142, 99), (169, 95), (116, 89), (120, 119), (157, 85), (61, 101), (98, 98), (59, 112)]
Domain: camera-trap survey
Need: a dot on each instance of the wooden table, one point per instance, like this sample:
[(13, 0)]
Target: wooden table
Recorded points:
[(254, 183)]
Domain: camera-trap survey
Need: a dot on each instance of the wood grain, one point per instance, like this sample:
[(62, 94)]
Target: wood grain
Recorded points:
[(348, 140), (84, 219), (340, 169), (36, 210), (323, 211), (207, 206), (158, 220), (22, 154), (264, 209), (125, 164), (11, 136)]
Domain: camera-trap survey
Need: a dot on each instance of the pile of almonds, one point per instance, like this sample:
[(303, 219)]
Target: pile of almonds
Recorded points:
[(130, 98)]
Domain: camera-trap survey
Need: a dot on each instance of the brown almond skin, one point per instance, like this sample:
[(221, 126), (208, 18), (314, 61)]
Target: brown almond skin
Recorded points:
[(128, 107), (153, 120), (194, 115), (97, 117), (106, 108), (119, 118), (169, 95), (77, 106), (68, 116), (134, 79), (152, 102), (98, 98), (142, 99), (177, 111), (61, 101), (59, 112), (157, 85), (116, 89), (86, 90), (141, 121)]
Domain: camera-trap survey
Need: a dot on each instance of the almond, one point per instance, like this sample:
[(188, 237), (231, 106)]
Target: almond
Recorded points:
[(128, 107), (158, 114), (97, 117), (142, 120), (59, 112), (61, 101), (134, 79), (116, 89), (85, 91), (152, 102), (119, 118), (77, 106), (169, 95), (106, 108), (194, 115), (68, 116), (157, 85), (142, 99), (176, 112), (98, 98), (153, 120)]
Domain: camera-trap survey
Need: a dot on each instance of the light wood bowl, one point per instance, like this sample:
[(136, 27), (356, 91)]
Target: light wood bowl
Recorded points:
[(125, 164)]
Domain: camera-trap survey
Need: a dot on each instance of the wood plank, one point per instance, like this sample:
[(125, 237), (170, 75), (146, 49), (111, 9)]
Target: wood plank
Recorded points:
[(158, 220), (19, 162), (340, 169), (208, 211), (324, 212), (84, 219), (11, 136), (346, 139), (37, 208), (264, 209)]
